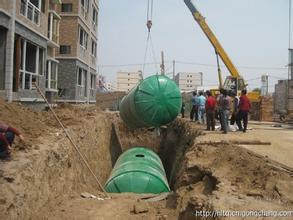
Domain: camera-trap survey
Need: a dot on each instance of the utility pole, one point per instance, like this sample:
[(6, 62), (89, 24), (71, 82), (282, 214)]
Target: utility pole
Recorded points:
[(174, 69), (163, 64)]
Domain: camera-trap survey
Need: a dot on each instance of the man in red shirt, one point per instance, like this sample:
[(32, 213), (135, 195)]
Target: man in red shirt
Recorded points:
[(243, 110), (7, 134), (210, 111)]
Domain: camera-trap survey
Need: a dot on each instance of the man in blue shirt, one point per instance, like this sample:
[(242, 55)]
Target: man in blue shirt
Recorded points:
[(201, 107)]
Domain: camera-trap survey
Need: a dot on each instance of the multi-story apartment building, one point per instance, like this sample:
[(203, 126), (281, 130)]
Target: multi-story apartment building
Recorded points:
[(28, 40), (78, 50), (189, 81), (127, 80)]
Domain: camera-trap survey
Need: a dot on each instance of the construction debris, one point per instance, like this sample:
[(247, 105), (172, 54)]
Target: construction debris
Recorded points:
[(87, 195), (219, 143)]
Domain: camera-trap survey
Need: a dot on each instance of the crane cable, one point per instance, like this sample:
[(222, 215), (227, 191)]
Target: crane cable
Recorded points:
[(150, 15), (149, 42)]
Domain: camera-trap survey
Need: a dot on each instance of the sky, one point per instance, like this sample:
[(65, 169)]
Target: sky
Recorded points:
[(254, 33)]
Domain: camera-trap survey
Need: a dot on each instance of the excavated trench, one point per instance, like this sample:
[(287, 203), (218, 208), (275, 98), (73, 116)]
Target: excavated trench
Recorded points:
[(54, 173), (171, 146)]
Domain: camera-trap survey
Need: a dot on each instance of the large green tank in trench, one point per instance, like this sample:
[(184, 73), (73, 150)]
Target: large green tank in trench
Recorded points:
[(156, 101), (138, 170)]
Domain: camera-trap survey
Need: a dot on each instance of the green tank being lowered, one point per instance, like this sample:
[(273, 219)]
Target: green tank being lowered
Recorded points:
[(156, 101), (138, 170)]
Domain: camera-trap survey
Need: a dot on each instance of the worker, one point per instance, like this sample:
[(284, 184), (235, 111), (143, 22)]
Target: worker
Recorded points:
[(243, 110), (234, 107), (224, 108), (210, 111), (194, 109), (182, 109), (218, 112), (201, 107), (7, 134)]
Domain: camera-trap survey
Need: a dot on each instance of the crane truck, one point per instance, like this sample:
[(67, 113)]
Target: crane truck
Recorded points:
[(235, 82)]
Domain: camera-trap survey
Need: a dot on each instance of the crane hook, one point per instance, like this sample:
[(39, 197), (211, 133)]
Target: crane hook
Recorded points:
[(149, 25)]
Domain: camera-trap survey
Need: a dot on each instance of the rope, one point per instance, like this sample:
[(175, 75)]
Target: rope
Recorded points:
[(149, 42), (154, 53), (71, 141), (146, 51)]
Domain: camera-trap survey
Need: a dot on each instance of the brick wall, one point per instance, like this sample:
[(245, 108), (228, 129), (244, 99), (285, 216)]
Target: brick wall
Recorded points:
[(69, 25), (267, 108), (263, 110)]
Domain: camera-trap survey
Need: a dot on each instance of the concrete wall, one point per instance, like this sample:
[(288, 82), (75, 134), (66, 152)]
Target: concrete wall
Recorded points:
[(3, 33), (5, 5), (290, 98), (67, 79), (281, 97), (30, 35), (67, 82)]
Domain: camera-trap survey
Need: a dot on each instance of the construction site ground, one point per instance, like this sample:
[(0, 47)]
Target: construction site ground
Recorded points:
[(279, 135), (45, 178)]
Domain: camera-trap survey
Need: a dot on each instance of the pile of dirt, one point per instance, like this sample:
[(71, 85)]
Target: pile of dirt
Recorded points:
[(109, 100), (71, 115), (30, 123), (229, 177), (34, 124)]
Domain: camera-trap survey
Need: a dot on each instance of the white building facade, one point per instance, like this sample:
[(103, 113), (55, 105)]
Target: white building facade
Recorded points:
[(188, 81), (127, 80)]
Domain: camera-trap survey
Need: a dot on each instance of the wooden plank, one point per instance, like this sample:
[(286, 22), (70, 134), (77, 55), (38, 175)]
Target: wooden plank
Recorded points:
[(249, 142)]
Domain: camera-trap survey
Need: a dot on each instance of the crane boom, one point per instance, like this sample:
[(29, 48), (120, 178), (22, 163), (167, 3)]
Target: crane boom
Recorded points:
[(212, 38)]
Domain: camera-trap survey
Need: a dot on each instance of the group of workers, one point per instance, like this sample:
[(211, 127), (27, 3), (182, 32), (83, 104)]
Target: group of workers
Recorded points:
[(205, 105)]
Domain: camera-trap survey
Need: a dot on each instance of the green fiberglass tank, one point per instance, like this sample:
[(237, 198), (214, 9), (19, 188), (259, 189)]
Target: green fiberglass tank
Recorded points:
[(138, 170), (154, 102)]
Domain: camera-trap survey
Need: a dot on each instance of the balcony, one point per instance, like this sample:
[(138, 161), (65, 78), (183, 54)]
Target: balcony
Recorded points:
[(93, 60), (30, 11), (95, 26), (84, 12), (51, 75), (53, 29)]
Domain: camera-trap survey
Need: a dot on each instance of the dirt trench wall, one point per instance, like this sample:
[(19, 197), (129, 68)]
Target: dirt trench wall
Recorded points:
[(34, 181)]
